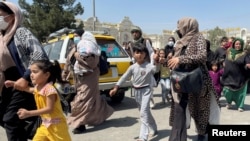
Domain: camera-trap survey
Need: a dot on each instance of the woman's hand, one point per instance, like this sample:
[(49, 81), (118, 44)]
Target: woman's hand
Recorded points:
[(173, 62)]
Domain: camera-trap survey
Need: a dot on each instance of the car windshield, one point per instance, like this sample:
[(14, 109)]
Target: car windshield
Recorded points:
[(53, 49), (112, 48)]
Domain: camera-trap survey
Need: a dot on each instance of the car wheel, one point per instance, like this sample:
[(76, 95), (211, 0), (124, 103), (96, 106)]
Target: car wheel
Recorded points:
[(119, 96)]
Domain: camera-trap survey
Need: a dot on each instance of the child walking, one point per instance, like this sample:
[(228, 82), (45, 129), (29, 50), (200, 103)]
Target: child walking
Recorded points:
[(165, 77), (215, 74), (43, 76), (142, 72)]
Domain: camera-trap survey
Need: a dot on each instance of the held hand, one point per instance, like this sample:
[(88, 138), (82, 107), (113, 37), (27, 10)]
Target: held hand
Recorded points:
[(9, 83), (155, 56), (21, 84), (112, 92), (248, 66), (76, 54), (162, 60), (23, 113), (173, 63)]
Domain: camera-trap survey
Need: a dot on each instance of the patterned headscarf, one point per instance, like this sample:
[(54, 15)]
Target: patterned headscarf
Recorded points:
[(5, 57), (188, 27)]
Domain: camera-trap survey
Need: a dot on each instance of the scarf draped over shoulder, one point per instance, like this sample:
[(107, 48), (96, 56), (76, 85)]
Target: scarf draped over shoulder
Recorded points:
[(5, 56)]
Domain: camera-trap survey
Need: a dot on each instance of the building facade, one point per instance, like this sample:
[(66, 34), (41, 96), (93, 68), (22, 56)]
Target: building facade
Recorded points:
[(121, 31)]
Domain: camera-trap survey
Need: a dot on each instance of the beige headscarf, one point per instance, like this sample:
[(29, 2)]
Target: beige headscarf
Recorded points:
[(188, 27), (5, 57)]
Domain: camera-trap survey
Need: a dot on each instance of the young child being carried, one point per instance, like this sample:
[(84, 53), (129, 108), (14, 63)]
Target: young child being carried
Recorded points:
[(142, 72), (43, 76), (87, 47)]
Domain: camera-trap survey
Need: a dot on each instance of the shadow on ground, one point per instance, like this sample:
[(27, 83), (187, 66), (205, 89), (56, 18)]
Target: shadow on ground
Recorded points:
[(118, 122)]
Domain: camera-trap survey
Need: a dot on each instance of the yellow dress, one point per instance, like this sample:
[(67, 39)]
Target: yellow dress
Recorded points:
[(54, 126)]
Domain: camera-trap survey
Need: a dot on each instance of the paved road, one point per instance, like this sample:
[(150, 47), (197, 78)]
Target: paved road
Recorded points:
[(124, 124)]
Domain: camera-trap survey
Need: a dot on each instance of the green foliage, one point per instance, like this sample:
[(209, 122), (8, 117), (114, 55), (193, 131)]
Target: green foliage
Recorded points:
[(214, 37), (43, 17)]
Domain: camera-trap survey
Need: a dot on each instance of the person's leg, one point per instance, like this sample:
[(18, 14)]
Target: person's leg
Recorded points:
[(14, 127), (240, 98), (147, 120), (152, 102), (144, 128), (228, 96), (179, 129), (163, 90), (169, 95)]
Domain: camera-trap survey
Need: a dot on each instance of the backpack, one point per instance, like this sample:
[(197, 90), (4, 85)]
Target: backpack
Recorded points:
[(103, 63)]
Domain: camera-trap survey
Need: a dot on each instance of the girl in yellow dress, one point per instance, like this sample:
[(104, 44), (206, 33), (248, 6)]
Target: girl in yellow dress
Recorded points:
[(54, 126)]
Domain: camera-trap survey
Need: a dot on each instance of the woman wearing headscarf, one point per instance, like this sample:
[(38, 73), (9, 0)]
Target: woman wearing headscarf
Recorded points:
[(236, 74), (18, 49), (87, 107), (203, 107)]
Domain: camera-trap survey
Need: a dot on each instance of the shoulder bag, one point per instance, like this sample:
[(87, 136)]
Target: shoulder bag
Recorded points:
[(187, 81)]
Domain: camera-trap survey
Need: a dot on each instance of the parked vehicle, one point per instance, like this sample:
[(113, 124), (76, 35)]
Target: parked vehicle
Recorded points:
[(57, 48)]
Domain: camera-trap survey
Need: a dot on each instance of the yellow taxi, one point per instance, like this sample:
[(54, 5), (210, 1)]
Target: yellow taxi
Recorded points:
[(58, 46)]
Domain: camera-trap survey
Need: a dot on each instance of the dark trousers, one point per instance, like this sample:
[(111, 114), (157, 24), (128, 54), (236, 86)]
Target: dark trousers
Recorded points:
[(11, 101), (179, 128)]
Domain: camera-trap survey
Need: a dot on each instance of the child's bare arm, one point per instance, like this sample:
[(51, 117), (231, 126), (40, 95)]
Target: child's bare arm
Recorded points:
[(10, 83)]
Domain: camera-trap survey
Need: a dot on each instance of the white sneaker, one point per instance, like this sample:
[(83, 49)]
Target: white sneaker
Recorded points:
[(240, 110), (152, 105)]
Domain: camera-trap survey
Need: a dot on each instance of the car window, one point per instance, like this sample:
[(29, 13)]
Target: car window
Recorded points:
[(70, 45), (112, 48), (53, 50)]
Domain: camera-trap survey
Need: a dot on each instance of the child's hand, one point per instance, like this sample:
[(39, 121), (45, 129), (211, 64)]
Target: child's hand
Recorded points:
[(23, 113), (9, 83), (112, 92)]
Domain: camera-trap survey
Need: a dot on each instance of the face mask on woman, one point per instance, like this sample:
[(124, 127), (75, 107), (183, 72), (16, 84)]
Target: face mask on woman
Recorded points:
[(3, 23), (171, 43), (76, 40)]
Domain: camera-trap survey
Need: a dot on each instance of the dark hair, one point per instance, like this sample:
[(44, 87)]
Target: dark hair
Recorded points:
[(214, 62), (224, 38), (140, 47), (5, 8), (208, 44), (79, 32), (53, 68), (171, 37)]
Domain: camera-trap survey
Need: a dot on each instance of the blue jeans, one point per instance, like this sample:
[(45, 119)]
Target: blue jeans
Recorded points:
[(165, 87)]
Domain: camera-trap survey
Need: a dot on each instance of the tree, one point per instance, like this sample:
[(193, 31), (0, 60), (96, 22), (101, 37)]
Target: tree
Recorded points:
[(43, 17), (214, 37)]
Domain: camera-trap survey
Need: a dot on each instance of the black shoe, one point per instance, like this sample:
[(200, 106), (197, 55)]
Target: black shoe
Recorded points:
[(201, 138), (79, 129)]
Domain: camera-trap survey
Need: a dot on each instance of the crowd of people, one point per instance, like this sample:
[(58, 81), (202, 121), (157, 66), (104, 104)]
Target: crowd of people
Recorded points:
[(28, 76)]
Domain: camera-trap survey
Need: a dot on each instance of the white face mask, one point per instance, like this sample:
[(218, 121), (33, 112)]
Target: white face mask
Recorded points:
[(3, 23), (171, 43)]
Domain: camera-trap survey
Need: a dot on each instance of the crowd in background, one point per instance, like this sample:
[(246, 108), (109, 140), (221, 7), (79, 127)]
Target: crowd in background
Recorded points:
[(25, 69)]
